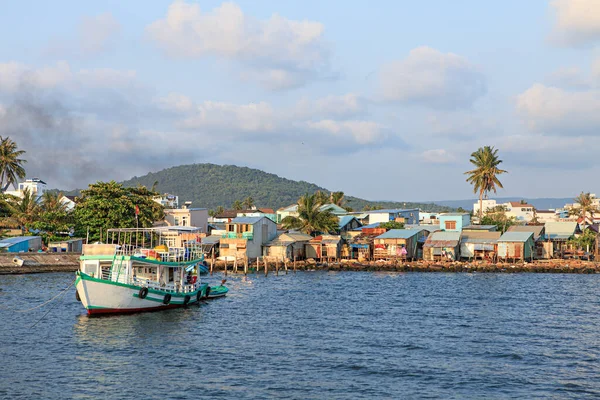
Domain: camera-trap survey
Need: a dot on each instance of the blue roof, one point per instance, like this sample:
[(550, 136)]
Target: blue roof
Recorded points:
[(18, 239), (345, 220), (246, 220), (398, 234), (515, 236)]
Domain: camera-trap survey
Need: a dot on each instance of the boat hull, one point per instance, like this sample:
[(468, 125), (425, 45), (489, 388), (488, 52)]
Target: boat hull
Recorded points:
[(106, 297), (217, 291)]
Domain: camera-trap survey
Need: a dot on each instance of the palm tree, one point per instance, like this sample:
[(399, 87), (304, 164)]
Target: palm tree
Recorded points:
[(219, 210), (337, 198), (248, 202), (484, 177), (11, 166), (237, 205), (321, 197), (311, 219), (586, 207), (24, 211)]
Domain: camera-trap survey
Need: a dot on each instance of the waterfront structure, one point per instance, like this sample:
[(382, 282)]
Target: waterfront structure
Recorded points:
[(21, 244), (290, 246), (324, 247), (479, 244), (454, 222), (441, 245), (141, 270), (516, 246), (66, 246), (559, 233), (398, 243), (36, 187), (245, 236)]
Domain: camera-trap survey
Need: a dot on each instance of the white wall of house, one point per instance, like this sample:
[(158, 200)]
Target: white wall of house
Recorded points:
[(36, 186), (521, 212), (197, 217), (487, 204), (263, 231)]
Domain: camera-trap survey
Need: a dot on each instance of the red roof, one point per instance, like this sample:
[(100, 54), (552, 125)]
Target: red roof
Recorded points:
[(519, 204)]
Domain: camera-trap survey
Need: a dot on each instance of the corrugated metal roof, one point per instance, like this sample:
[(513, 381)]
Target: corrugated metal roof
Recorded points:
[(345, 220), (515, 236), (560, 228), (297, 236), (445, 235), (535, 229), (18, 239), (246, 220), (398, 234), (480, 237), (212, 239), (491, 228), (559, 236)]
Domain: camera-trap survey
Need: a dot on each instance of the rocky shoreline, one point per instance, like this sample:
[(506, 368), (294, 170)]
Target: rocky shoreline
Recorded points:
[(34, 263)]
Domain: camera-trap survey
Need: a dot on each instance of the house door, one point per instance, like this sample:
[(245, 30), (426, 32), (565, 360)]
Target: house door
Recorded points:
[(518, 251)]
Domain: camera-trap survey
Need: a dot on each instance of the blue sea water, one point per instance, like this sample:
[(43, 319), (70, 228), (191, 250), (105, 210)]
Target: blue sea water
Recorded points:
[(313, 335)]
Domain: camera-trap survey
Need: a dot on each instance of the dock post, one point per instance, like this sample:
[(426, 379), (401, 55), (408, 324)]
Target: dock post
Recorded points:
[(266, 266), (285, 265), (257, 264), (235, 268), (212, 261), (246, 265), (294, 264)]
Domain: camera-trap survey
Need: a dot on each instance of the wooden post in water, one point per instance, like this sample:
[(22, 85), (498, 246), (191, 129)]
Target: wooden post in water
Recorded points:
[(294, 263), (235, 264), (212, 260), (266, 266), (285, 265), (245, 265), (257, 264)]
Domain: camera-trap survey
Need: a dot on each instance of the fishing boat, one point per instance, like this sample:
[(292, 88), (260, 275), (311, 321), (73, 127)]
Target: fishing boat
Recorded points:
[(142, 270)]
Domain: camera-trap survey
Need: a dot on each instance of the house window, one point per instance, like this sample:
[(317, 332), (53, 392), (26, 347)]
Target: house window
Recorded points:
[(450, 225), (231, 228), (184, 221), (176, 221)]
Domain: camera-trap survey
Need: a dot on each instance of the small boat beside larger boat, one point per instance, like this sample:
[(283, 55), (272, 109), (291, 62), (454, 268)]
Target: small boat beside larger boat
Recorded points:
[(142, 270)]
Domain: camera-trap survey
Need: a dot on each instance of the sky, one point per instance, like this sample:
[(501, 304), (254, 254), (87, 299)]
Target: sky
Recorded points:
[(383, 100)]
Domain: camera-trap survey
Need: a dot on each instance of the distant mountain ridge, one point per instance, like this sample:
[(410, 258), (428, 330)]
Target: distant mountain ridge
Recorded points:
[(211, 185), (544, 203)]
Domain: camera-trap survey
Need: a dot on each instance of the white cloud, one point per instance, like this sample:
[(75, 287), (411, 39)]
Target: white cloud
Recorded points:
[(175, 102), (253, 117), (438, 156), (361, 132), (279, 52), (346, 105), (577, 22), (556, 111), (97, 32), (431, 78), (569, 78)]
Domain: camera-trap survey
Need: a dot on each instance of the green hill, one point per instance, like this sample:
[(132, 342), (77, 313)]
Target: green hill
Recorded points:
[(210, 185)]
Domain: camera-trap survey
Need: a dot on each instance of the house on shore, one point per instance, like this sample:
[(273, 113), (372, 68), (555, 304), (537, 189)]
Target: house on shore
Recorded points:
[(543, 249), (559, 233), (187, 216), (516, 246), (21, 244), (442, 246), (479, 244), (245, 236), (287, 246), (398, 244), (324, 248)]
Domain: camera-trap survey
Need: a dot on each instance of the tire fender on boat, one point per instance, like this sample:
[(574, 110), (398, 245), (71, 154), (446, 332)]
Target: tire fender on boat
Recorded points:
[(199, 295), (143, 293), (77, 295), (186, 299), (207, 291), (167, 299)]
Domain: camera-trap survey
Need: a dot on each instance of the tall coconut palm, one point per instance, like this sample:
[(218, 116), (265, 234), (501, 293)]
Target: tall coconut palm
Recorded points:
[(24, 211), (584, 206), (337, 198), (311, 219), (321, 197), (484, 177), (11, 165)]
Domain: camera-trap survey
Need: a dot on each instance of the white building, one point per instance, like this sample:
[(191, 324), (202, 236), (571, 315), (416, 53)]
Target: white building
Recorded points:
[(36, 187), (167, 200), (520, 211), (68, 201), (487, 204), (187, 216)]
